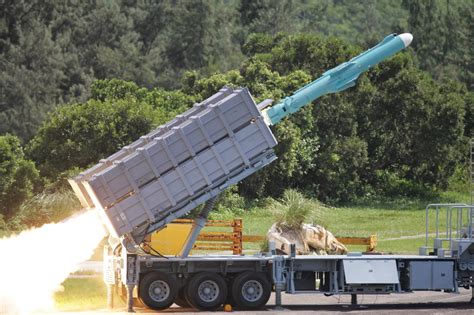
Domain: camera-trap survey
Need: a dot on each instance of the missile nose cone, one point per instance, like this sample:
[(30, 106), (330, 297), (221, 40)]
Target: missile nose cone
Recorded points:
[(406, 38)]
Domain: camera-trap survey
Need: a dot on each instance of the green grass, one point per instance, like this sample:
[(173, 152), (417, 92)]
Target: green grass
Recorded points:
[(81, 294), (408, 246), (387, 219)]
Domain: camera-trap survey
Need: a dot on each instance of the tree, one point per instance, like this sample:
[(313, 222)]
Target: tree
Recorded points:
[(415, 125), (443, 36), (76, 136), (81, 134), (349, 144), (397, 131), (266, 16), (19, 178), (68, 45), (24, 102), (115, 89)]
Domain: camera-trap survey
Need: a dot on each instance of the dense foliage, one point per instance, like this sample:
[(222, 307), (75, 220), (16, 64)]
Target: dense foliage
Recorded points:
[(19, 178), (65, 46), (117, 114), (83, 79), (397, 132)]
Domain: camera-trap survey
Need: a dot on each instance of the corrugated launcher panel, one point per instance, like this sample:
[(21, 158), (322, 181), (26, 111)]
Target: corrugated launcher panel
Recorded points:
[(182, 167), (77, 182), (206, 170)]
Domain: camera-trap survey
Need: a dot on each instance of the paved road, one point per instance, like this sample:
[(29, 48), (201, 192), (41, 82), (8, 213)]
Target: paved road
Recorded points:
[(407, 304)]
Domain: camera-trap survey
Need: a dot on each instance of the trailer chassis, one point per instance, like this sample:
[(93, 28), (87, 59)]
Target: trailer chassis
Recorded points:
[(295, 274), (247, 281)]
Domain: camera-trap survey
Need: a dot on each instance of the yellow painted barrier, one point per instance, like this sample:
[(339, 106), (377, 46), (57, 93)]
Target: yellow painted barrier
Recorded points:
[(170, 240)]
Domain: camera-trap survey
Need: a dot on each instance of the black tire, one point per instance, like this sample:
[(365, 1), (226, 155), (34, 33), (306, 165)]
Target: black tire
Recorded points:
[(251, 290), (158, 290), (181, 299), (206, 291), (229, 299)]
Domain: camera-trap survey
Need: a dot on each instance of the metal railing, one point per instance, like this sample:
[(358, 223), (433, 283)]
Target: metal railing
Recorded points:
[(471, 169), (458, 219), (210, 241), (463, 223), (234, 240)]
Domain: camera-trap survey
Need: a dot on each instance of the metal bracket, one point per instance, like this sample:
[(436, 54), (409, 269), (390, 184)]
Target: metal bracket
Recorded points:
[(198, 224)]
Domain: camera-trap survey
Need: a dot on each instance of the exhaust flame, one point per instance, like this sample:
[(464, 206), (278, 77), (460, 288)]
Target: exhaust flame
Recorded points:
[(34, 263)]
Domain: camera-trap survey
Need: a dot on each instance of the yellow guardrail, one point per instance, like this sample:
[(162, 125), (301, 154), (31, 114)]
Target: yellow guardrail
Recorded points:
[(170, 240)]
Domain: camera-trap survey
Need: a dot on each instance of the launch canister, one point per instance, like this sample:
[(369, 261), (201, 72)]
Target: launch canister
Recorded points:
[(338, 78)]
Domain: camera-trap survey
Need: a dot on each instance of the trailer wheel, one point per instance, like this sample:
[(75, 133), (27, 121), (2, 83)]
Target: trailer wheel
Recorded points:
[(157, 290), (181, 299), (251, 290), (206, 291)]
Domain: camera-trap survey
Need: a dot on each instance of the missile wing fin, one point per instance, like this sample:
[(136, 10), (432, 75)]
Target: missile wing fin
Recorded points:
[(346, 84), (339, 69), (338, 78)]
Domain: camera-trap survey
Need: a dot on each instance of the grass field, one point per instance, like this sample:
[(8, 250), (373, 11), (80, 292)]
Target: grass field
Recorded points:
[(81, 294), (389, 220)]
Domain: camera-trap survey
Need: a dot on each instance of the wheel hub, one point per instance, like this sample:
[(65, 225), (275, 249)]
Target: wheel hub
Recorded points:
[(208, 291), (159, 290), (252, 290)]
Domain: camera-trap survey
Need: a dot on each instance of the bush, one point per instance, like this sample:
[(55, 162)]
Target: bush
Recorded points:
[(48, 207), (231, 201), (120, 112), (3, 225), (115, 89), (460, 181), (294, 209), (80, 135), (19, 178), (390, 184)]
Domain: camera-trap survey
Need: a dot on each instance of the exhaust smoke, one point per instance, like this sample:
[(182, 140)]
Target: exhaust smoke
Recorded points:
[(34, 263)]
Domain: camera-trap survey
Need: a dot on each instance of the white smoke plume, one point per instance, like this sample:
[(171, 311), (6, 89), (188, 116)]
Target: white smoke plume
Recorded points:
[(34, 263)]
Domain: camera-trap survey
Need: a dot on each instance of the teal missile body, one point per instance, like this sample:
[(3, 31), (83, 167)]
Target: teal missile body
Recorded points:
[(338, 78)]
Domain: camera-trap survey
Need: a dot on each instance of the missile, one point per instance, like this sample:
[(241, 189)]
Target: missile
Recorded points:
[(337, 79)]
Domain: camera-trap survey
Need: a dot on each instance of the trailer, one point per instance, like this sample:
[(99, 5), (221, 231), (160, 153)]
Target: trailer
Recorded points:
[(206, 282), (217, 143)]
